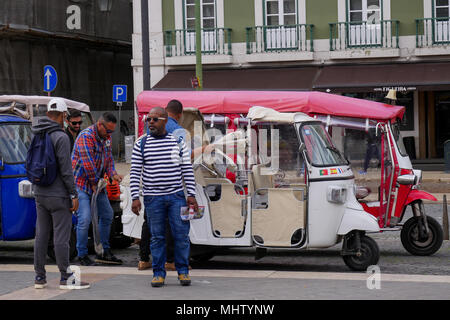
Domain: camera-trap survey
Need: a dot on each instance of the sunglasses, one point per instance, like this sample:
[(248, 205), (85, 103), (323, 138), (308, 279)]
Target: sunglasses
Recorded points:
[(155, 119), (74, 123), (107, 130)]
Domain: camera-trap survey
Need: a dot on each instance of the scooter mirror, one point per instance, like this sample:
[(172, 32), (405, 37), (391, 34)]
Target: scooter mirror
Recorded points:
[(302, 147), (406, 179)]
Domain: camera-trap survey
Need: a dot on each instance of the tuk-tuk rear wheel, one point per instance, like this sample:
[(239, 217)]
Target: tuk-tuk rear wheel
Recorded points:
[(370, 254)]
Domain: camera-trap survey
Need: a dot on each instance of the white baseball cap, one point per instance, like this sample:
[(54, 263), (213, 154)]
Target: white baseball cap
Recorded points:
[(57, 104)]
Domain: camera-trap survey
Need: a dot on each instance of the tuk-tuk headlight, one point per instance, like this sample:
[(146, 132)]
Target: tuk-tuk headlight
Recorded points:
[(26, 189), (418, 174), (336, 194)]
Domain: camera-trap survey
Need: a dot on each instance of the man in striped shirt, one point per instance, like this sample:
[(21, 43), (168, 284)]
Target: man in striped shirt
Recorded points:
[(164, 163)]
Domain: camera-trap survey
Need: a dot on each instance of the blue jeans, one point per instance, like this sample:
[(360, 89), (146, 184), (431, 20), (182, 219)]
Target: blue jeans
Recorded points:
[(157, 208), (105, 217), (372, 152)]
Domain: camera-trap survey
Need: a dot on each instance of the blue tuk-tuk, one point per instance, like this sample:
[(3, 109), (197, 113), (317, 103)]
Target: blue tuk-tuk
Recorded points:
[(17, 213), (17, 205)]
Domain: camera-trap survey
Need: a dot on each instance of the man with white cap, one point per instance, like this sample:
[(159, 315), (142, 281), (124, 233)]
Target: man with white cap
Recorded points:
[(55, 200)]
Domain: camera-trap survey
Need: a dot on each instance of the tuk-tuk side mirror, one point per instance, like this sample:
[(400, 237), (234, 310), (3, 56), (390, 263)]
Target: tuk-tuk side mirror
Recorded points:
[(302, 150), (302, 147), (407, 179)]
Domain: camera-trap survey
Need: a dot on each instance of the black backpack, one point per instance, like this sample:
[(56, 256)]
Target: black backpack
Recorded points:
[(42, 165)]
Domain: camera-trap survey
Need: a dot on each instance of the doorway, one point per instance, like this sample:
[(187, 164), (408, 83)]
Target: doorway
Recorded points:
[(442, 128)]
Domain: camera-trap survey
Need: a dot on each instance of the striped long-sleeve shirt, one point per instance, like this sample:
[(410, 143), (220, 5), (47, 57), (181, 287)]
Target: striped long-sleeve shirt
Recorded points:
[(163, 168)]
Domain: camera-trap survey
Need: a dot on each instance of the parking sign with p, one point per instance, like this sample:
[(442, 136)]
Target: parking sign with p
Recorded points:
[(119, 93)]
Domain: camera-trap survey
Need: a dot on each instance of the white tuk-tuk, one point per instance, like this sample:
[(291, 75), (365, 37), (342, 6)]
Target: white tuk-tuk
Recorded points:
[(292, 189)]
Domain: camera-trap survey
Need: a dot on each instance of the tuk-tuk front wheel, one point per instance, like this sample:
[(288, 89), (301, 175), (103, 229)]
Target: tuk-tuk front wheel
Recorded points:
[(415, 239), (367, 255)]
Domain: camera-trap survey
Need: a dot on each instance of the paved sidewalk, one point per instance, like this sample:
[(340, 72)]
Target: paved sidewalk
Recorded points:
[(122, 283)]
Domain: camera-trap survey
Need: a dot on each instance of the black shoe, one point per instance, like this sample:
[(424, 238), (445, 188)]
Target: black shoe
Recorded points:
[(108, 258), (70, 284), (86, 261), (40, 282)]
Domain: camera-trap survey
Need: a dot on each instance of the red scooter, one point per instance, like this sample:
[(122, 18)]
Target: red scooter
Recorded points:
[(399, 188)]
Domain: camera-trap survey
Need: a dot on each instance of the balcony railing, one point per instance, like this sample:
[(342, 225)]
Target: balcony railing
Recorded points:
[(182, 42), (432, 32), (361, 34), (297, 37)]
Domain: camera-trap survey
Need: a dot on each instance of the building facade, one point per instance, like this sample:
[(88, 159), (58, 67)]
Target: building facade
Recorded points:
[(360, 48), (88, 42)]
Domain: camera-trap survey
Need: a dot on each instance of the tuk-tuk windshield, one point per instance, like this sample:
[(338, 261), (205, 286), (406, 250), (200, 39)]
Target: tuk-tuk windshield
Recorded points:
[(15, 138), (319, 147)]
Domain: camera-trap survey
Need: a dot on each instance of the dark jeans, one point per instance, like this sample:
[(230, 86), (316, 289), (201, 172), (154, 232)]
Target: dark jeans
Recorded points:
[(158, 209), (53, 213), (372, 152), (144, 244)]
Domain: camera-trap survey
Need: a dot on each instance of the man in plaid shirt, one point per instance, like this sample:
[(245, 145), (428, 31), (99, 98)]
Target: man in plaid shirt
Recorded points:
[(91, 159)]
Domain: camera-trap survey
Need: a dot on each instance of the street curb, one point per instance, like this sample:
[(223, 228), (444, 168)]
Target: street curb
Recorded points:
[(255, 274)]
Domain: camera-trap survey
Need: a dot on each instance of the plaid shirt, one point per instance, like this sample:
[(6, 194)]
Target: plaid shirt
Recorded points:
[(91, 158)]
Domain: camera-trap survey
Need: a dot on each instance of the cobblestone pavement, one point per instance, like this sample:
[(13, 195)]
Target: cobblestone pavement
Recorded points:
[(235, 274), (394, 258)]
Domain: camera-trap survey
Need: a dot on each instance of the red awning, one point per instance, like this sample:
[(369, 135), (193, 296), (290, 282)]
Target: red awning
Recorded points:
[(309, 102)]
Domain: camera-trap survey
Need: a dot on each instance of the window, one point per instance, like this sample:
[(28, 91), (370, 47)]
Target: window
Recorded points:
[(281, 12), (441, 9), (364, 17), (286, 160), (207, 14), (15, 140), (280, 21), (365, 10), (441, 28), (208, 17)]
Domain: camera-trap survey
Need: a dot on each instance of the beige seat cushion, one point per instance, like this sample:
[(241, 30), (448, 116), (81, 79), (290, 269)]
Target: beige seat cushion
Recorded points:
[(217, 181), (261, 180)]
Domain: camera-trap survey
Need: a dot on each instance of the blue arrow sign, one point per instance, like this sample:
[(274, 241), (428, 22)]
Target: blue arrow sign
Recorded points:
[(119, 93), (50, 78)]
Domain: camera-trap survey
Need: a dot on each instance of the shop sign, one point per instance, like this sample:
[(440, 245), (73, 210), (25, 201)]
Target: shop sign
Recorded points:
[(398, 89)]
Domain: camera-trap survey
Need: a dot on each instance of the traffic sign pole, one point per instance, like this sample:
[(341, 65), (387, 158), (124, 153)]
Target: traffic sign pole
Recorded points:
[(119, 104), (119, 96)]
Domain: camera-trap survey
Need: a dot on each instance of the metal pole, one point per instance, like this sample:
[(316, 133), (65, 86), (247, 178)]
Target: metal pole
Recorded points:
[(145, 45), (445, 218), (119, 104), (198, 46)]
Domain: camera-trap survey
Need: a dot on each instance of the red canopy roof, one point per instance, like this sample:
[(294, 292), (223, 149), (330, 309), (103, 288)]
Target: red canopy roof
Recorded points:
[(310, 102)]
